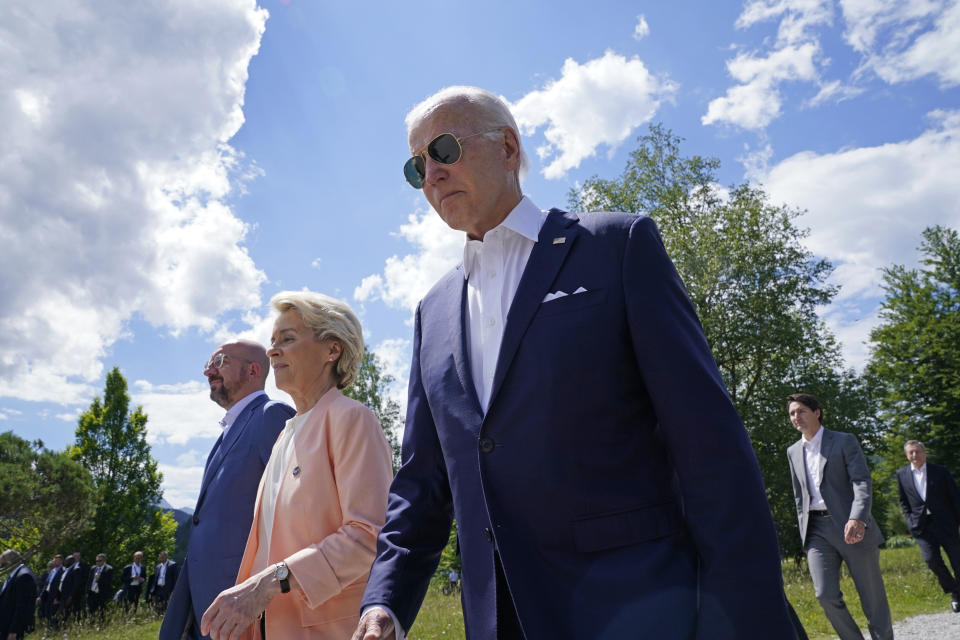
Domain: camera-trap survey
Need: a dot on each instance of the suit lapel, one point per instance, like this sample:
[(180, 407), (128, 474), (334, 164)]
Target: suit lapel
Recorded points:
[(230, 439), (456, 297), (799, 469), (909, 486), (542, 268)]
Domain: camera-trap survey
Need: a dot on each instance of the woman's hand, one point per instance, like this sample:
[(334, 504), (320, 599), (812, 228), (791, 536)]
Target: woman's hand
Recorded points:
[(236, 608)]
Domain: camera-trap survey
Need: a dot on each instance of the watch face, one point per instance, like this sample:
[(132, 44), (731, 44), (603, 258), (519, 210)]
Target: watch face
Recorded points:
[(282, 572)]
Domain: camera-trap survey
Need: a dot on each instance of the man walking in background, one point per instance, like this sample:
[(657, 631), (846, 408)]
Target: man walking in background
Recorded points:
[(100, 586), (833, 493), (931, 504), (237, 373), (162, 582), (50, 590), (133, 577), (17, 595)]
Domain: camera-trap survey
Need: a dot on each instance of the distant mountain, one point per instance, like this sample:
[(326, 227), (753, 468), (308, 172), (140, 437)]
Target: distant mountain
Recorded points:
[(184, 518)]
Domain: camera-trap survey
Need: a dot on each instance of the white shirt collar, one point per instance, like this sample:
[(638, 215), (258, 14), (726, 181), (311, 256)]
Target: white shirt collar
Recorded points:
[(235, 410), (921, 470), (525, 220), (814, 442)]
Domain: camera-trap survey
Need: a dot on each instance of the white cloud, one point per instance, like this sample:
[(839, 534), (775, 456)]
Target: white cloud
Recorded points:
[(116, 117), (597, 103), (903, 40), (867, 206), (177, 413), (406, 279), (798, 17), (181, 484), (833, 91), (642, 29), (757, 101)]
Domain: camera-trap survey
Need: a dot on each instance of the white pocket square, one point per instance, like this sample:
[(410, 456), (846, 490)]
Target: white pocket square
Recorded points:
[(561, 294)]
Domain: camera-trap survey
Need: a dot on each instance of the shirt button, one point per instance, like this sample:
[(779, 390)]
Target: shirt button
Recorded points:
[(486, 445), (491, 321)]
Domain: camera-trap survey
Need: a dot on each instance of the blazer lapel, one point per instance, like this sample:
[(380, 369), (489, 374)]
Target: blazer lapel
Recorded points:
[(456, 297), (230, 439), (796, 460), (542, 268)]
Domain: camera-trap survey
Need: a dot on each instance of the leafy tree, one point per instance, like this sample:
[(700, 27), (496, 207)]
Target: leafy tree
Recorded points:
[(756, 290), (370, 388), (915, 359), (111, 443), (45, 496)]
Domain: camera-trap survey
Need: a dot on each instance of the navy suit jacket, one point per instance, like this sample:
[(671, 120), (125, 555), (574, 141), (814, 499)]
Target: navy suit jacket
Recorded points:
[(17, 603), (611, 471), (224, 512), (943, 501)]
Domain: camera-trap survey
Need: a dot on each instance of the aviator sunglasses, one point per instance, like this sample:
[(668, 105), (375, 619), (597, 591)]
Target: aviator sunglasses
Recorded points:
[(445, 149)]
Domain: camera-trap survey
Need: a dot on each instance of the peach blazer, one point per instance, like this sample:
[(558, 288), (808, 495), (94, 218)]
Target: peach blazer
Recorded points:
[(330, 507)]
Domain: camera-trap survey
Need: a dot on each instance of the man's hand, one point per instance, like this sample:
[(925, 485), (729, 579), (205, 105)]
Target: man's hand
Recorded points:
[(854, 531), (375, 625)]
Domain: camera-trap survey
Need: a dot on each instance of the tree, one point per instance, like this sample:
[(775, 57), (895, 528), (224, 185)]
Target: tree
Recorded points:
[(370, 388), (45, 497), (111, 443), (915, 352), (755, 289)]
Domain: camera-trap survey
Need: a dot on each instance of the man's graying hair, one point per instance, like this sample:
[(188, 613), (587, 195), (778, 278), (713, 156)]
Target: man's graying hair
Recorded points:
[(490, 112)]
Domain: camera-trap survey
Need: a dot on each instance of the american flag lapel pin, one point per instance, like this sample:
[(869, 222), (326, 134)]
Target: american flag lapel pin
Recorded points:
[(559, 240)]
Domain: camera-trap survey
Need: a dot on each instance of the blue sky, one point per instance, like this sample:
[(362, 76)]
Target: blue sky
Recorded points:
[(166, 167)]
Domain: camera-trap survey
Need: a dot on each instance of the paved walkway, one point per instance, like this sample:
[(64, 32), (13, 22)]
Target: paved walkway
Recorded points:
[(931, 626)]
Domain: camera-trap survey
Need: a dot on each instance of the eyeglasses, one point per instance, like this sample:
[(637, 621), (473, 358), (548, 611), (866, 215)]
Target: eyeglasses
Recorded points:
[(445, 149), (217, 361)]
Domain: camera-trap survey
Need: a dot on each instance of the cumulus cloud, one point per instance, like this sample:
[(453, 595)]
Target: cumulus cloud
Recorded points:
[(177, 413), (867, 206), (597, 103), (114, 173), (642, 29), (406, 279), (904, 40), (181, 484)]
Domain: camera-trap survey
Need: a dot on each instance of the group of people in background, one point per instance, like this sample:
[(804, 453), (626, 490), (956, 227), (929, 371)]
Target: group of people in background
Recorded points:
[(71, 590), (564, 407)]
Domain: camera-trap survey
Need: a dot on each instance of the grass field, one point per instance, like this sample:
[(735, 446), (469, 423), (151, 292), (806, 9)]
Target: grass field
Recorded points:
[(911, 590)]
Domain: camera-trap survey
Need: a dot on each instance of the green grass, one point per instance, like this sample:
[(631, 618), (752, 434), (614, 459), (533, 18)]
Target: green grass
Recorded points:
[(911, 590)]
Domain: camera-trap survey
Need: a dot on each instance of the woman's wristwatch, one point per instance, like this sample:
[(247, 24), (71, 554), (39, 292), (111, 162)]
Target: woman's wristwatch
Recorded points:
[(282, 573)]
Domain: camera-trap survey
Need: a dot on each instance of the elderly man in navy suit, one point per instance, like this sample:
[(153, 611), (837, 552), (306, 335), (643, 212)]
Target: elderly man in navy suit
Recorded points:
[(931, 504), (565, 407), (237, 372), (17, 594)]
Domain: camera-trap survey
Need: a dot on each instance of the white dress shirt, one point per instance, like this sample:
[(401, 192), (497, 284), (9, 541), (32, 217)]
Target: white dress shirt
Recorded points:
[(493, 268), (920, 480), (272, 475), (812, 461), (162, 574)]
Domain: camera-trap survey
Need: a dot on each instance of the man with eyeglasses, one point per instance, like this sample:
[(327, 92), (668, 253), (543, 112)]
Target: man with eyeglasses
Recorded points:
[(237, 373), (565, 408)]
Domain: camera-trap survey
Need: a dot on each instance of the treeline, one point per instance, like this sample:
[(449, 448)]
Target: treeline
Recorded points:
[(756, 289), (100, 495)]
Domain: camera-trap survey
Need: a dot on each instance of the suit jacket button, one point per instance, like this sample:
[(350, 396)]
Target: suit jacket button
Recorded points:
[(196, 520), (486, 445), (488, 534)]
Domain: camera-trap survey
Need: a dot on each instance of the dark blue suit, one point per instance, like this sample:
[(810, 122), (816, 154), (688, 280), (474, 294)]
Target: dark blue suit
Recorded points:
[(934, 522), (610, 472), (224, 512)]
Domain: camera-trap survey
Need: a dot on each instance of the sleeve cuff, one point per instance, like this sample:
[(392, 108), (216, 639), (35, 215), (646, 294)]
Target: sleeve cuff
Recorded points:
[(400, 633)]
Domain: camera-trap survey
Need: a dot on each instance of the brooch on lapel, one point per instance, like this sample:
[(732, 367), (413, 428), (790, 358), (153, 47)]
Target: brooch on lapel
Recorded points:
[(296, 471), (559, 240)]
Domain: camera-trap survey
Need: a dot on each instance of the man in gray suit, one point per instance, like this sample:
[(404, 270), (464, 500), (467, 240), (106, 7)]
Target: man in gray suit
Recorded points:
[(832, 488), (237, 372)]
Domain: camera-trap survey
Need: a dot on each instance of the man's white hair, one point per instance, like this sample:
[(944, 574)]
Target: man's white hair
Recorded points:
[(490, 112)]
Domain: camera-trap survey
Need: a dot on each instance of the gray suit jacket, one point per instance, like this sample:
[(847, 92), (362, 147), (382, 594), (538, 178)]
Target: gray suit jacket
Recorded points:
[(845, 484)]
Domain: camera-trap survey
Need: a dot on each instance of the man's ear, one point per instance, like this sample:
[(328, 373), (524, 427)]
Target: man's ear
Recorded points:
[(511, 148)]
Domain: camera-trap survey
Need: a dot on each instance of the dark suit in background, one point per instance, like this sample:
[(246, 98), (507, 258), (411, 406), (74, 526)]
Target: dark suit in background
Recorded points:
[(159, 594), (224, 512), (934, 522), (17, 601), (133, 591), (99, 588), (49, 593), (71, 592)]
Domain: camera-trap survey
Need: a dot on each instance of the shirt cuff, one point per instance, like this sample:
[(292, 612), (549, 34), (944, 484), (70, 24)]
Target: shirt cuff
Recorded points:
[(400, 633)]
